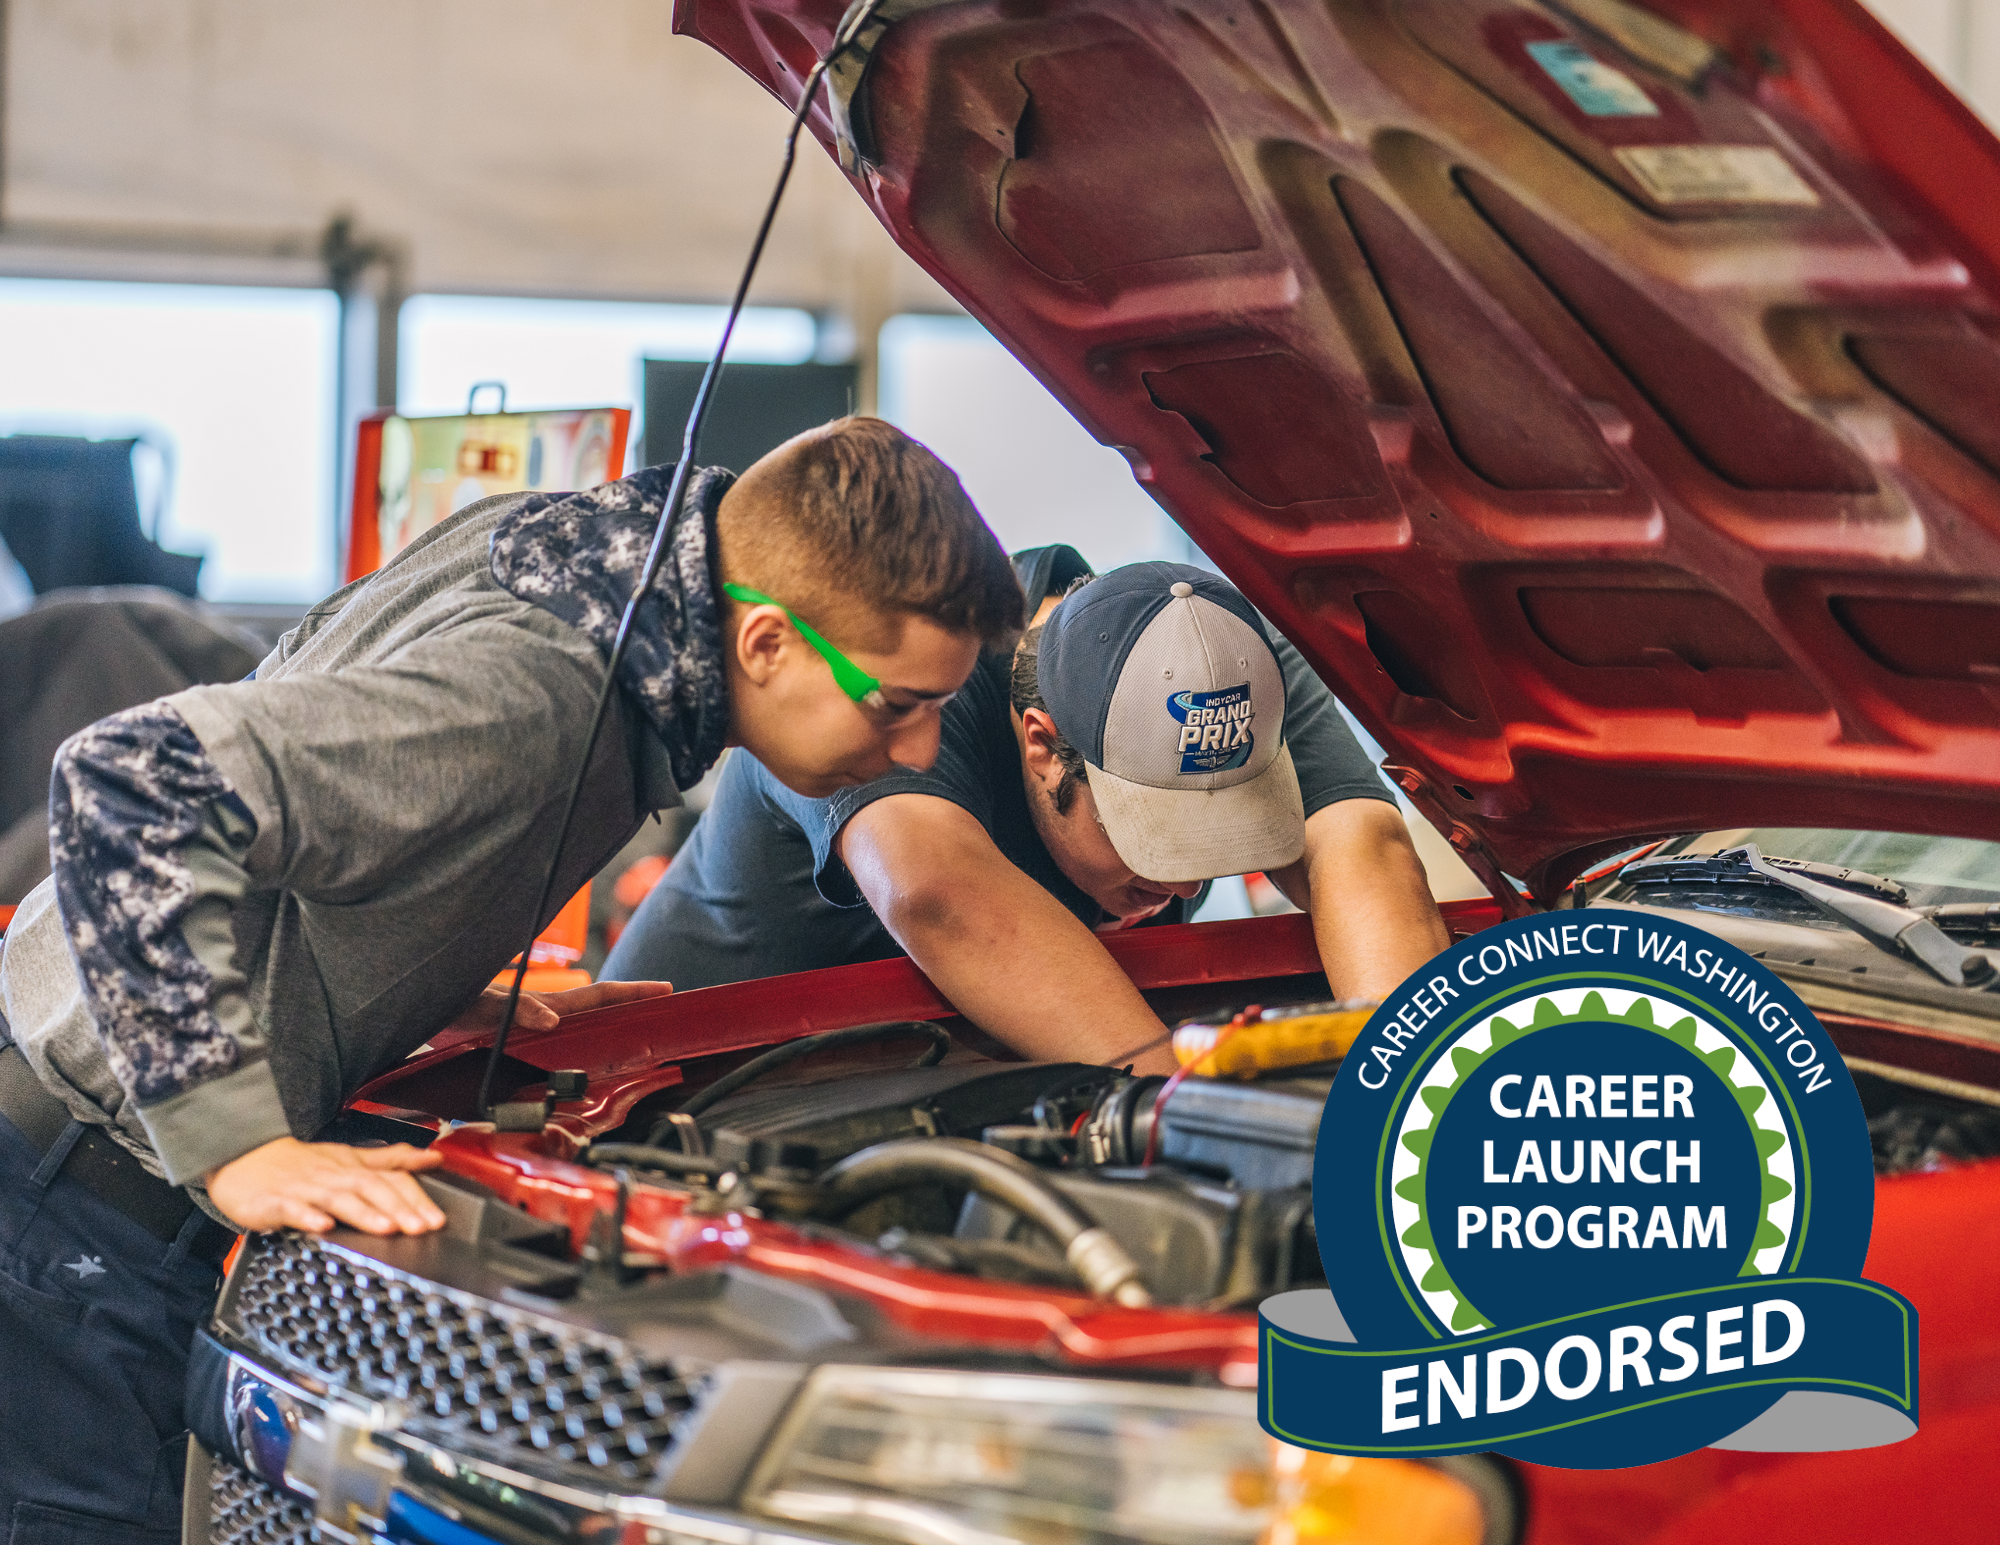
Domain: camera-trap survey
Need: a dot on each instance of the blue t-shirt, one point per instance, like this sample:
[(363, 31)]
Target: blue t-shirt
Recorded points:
[(758, 890)]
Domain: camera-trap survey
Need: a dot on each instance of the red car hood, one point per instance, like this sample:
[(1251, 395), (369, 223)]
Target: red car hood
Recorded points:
[(1606, 400)]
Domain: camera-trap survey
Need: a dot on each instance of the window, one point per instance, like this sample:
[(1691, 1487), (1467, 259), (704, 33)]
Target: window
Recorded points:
[(1035, 473), (235, 383), (571, 353)]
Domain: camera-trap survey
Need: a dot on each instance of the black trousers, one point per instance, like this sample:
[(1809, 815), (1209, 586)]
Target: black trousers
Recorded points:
[(96, 1316)]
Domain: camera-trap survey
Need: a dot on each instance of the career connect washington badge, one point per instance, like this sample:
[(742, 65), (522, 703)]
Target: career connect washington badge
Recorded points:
[(1592, 1189)]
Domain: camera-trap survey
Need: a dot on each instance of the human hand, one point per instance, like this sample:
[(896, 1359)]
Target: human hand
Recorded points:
[(545, 1010), (599, 995), (311, 1186)]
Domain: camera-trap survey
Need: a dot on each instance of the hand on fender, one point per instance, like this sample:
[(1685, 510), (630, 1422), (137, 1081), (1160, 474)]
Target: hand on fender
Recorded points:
[(312, 1186), (545, 1010)]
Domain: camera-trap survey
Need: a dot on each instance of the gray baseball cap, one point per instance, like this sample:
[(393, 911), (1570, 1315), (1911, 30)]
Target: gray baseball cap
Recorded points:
[(1163, 677)]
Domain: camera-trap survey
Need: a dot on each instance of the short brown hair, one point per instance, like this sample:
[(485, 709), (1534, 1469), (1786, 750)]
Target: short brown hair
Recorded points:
[(854, 525)]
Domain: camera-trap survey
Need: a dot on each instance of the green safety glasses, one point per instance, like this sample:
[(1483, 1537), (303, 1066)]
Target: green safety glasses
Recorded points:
[(849, 677)]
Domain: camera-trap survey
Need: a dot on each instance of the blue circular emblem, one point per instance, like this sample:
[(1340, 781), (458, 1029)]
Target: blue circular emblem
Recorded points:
[(1592, 1189)]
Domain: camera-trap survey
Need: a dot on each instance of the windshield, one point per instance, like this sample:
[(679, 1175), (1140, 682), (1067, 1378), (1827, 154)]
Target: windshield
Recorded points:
[(1937, 871)]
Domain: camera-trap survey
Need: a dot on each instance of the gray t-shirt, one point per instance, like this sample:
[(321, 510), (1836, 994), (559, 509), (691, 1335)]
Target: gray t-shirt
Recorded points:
[(759, 890), (404, 756)]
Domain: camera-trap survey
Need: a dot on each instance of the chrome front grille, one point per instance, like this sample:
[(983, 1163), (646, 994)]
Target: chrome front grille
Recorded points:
[(242, 1510), (488, 1376)]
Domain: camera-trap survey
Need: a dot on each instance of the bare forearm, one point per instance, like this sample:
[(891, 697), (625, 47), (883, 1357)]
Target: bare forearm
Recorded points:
[(1373, 917), (1006, 953), (1030, 974), (1387, 932)]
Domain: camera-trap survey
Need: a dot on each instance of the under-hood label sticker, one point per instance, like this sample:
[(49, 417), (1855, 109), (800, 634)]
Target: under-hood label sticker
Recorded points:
[(1593, 1189), (1596, 88), (1716, 174)]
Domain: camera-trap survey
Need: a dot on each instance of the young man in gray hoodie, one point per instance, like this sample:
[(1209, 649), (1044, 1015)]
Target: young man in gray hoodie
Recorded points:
[(265, 893)]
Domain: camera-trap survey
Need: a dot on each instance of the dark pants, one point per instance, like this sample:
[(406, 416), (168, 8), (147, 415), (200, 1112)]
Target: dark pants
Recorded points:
[(96, 1316)]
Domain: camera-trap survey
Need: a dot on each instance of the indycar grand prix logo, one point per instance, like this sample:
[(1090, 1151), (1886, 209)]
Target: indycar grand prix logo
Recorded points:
[(1215, 728), (1592, 1189)]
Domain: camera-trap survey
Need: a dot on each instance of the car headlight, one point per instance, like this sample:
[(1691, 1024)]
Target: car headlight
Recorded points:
[(932, 1457)]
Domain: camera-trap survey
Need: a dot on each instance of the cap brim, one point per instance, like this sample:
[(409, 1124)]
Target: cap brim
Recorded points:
[(1177, 835)]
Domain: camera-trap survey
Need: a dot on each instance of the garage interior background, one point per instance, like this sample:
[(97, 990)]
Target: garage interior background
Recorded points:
[(495, 165), (230, 228)]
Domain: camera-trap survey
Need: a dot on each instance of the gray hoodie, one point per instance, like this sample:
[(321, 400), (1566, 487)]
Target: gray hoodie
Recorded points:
[(372, 817)]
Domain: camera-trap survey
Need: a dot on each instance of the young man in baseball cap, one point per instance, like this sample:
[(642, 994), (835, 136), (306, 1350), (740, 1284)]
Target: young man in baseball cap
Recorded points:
[(1147, 736)]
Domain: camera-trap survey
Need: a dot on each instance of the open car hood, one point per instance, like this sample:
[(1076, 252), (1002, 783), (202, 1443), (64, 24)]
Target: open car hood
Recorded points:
[(1606, 400)]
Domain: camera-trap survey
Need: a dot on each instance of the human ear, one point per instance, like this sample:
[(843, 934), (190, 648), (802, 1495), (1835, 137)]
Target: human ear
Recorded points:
[(1038, 747), (761, 639)]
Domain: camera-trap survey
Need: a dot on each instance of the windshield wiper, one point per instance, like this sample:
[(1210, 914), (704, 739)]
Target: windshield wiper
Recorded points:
[(1868, 904), (1980, 919)]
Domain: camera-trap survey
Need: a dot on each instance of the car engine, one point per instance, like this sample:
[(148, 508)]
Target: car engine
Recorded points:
[(1208, 1193)]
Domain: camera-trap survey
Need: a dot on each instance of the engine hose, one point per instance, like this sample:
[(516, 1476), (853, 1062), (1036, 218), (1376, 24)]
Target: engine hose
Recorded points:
[(805, 1046), (997, 1175)]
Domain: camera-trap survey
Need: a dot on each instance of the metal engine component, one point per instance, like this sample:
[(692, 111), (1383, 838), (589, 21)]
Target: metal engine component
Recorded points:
[(1258, 1133), (1119, 1126), (1197, 1241), (803, 1128), (1222, 1215), (1097, 1257), (1013, 1183)]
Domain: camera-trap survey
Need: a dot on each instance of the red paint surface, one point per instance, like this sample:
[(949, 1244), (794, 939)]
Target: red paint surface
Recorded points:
[(635, 1038)]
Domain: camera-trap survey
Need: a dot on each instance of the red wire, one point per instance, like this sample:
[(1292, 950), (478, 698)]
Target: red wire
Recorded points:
[(1616, 864), (1174, 1080)]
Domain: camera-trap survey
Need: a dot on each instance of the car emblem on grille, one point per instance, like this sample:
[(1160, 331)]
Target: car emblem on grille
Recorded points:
[(322, 1453)]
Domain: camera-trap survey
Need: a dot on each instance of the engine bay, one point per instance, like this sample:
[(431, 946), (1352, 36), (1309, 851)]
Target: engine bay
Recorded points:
[(1200, 1185), (1203, 1183), (614, 1304), (813, 1203), (979, 1167)]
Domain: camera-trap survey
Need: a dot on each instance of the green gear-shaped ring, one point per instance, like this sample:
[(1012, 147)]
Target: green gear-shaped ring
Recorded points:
[(1464, 1060)]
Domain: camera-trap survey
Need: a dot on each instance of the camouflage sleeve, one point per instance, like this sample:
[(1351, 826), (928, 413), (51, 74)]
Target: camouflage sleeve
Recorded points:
[(146, 838)]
